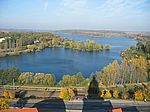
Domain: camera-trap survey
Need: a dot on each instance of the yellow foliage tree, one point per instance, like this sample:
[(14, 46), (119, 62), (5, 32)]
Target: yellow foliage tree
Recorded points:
[(66, 94), (107, 95), (6, 94), (124, 95), (139, 95), (62, 92), (4, 104), (11, 95), (101, 94), (110, 73), (115, 94), (71, 93), (139, 69)]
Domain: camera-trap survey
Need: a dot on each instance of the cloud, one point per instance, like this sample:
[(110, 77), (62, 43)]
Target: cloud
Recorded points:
[(73, 6), (122, 7)]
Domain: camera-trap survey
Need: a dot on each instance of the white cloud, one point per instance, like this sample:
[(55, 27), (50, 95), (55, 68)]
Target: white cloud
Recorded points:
[(73, 6), (121, 7)]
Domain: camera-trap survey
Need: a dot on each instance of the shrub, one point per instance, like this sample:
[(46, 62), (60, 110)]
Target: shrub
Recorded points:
[(11, 95), (115, 94), (131, 93), (107, 95), (125, 95), (6, 94), (139, 95), (66, 94), (71, 93), (147, 95), (4, 104)]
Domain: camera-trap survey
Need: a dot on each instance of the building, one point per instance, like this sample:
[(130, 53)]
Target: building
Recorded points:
[(2, 39)]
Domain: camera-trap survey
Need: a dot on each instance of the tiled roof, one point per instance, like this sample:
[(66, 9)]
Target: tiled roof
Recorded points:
[(21, 110)]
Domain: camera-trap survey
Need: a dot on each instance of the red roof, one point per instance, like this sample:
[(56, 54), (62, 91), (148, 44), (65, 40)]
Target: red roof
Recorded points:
[(116, 110), (21, 110)]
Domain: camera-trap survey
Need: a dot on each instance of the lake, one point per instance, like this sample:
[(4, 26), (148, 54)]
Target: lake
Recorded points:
[(60, 61)]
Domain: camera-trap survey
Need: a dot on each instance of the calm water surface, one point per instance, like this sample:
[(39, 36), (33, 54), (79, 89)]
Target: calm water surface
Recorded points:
[(65, 61)]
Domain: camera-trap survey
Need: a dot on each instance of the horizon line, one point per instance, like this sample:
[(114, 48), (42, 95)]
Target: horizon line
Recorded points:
[(63, 29)]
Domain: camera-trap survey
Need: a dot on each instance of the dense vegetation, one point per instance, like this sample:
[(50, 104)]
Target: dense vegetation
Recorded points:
[(8, 75), (40, 79), (4, 104), (14, 43), (86, 46), (129, 71), (37, 79), (142, 49)]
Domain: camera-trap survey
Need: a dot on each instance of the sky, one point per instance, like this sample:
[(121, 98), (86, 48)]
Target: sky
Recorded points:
[(123, 15)]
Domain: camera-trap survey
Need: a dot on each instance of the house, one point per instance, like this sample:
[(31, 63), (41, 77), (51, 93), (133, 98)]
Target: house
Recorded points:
[(2, 39), (36, 41)]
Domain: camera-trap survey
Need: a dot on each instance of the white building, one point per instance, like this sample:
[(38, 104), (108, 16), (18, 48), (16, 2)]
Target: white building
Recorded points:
[(2, 39)]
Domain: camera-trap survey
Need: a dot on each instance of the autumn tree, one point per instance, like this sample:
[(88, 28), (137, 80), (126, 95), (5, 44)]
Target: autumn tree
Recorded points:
[(4, 104), (49, 79), (110, 74), (26, 78), (79, 78), (124, 72), (139, 67), (68, 80), (38, 78), (66, 93)]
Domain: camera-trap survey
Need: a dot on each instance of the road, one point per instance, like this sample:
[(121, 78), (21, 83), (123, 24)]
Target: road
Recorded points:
[(83, 105)]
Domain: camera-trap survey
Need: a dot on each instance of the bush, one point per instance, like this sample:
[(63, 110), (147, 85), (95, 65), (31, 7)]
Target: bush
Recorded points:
[(71, 93), (139, 95), (4, 104), (9, 94), (6, 94), (131, 93), (147, 95), (125, 95), (66, 94), (107, 95), (115, 94)]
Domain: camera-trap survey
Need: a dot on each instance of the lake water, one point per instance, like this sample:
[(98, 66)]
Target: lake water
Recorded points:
[(60, 61)]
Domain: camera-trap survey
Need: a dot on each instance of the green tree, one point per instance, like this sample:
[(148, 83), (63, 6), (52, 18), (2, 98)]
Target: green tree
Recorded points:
[(68, 80), (79, 78), (8, 75), (49, 79), (26, 78), (38, 78)]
